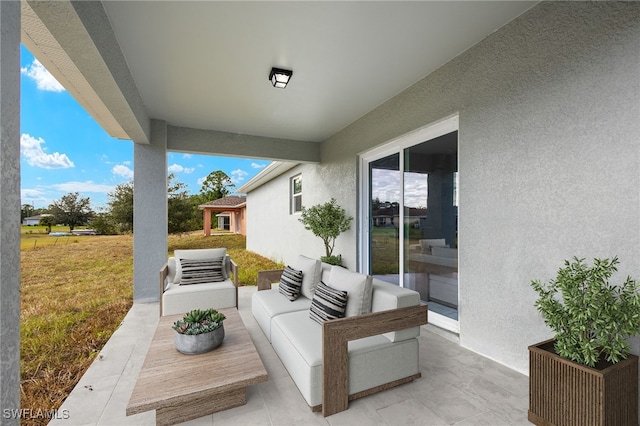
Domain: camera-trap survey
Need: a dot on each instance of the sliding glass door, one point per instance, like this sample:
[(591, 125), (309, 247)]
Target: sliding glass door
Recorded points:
[(412, 214)]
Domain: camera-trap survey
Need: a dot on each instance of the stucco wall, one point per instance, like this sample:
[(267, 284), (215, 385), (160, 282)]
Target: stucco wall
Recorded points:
[(549, 110), (273, 232)]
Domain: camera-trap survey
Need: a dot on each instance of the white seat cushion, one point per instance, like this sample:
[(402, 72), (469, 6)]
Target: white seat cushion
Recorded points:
[(267, 304), (179, 299), (297, 340)]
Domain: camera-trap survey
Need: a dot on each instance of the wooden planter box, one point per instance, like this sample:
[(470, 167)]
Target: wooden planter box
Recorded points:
[(562, 392)]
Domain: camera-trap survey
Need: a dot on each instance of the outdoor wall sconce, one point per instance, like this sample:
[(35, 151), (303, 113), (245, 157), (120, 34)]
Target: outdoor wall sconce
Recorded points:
[(279, 77)]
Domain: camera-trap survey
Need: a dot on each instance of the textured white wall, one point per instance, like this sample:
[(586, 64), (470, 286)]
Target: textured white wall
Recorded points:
[(275, 233), (549, 109)]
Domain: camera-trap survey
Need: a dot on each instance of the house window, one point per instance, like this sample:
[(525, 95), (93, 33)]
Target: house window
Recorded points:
[(296, 194)]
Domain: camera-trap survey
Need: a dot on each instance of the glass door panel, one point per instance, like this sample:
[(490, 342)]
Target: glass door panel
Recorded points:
[(430, 176), (384, 197)]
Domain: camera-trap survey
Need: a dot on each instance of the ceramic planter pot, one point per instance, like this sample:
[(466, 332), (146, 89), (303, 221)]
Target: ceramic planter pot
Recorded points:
[(199, 343), (563, 392)]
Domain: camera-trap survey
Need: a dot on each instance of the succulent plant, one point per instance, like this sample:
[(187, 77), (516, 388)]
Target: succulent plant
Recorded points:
[(199, 321)]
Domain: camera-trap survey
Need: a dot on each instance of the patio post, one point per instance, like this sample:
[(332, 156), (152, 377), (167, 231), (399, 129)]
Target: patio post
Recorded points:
[(10, 212), (149, 213), (206, 222)]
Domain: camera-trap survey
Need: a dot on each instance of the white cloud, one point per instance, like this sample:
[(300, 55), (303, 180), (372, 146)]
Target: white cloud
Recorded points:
[(122, 170), (43, 78), (238, 176), (258, 166), (32, 149), (81, 187), (201, 180), (177, 168)]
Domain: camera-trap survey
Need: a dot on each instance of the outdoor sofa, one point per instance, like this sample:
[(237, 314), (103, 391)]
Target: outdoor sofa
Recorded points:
[(373, 348), (198, 279)]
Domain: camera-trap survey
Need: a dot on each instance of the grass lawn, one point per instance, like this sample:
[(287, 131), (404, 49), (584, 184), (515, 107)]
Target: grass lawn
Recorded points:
[(75, 291)]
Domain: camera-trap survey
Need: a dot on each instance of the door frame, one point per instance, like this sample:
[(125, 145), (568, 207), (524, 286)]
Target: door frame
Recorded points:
[(398, 145)]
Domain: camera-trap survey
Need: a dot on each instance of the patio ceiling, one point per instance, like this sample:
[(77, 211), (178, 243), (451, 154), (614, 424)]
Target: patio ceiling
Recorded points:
[(204, 65)]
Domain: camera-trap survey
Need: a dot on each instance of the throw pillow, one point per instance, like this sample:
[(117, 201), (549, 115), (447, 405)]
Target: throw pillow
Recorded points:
[(327, 303), (195, 254), (198, 271), (359, 286), (290, 283), (311, 270)]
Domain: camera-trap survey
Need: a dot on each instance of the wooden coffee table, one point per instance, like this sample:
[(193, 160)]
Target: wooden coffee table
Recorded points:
[(185, 387)]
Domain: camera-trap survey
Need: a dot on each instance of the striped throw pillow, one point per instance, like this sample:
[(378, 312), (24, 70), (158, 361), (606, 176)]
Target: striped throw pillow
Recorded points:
[(198, 271), (327, 304), (290, 283)]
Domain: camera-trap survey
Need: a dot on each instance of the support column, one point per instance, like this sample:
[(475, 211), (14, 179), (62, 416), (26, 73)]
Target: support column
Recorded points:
[(149, 213), (10, 211), (206, 222)]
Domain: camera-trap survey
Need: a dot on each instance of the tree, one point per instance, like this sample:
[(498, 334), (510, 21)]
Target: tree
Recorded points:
[(71, 210), (179, 208), (103, 223), (121, 206), (326, 221), (26, 211), (47, 221), (216, 185)]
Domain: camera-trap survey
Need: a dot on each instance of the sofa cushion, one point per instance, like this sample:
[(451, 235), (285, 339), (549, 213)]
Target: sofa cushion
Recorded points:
[(327, 303), (311, 270), (196, 254), (451, 253), (199, 271), (358, 286), (290, 283), (428, 244), (297, 340), (267, 304), (388, 296)]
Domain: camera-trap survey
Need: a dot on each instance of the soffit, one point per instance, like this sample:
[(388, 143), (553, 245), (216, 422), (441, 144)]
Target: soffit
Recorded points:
[(205, 65)]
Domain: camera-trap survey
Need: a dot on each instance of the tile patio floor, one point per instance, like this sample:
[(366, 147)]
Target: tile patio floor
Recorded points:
[(458, 387)]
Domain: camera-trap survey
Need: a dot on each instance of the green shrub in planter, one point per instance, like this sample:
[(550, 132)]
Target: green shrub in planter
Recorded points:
[(591, 318)]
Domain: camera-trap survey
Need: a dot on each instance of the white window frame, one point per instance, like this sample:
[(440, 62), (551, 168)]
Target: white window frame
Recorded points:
[(293, 195)]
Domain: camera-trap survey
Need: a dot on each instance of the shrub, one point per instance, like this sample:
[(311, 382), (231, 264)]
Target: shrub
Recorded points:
[(590, 317)]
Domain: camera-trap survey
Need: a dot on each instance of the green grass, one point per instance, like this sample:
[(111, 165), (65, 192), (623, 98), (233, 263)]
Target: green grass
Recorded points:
[(74, 296), (33, 237)]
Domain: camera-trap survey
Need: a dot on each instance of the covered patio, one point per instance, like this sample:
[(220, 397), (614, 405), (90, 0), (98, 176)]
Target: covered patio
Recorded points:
[(543, 98), (457, 386)]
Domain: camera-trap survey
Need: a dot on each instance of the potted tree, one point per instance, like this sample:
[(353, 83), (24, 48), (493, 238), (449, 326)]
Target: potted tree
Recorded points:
[(199, 331), (327, 221), (585, 375)]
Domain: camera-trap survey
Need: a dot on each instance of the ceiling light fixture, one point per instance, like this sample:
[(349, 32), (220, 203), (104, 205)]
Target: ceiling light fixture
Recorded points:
[(279, 77)]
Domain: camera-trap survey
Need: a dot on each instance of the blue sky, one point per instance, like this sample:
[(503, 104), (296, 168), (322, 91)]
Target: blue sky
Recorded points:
[(64, 150)]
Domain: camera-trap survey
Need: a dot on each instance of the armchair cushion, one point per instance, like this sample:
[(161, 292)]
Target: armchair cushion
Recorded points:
[(196, 254)]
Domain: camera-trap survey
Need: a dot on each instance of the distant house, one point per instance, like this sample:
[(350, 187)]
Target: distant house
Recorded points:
[(231, 214), (34, 220)]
